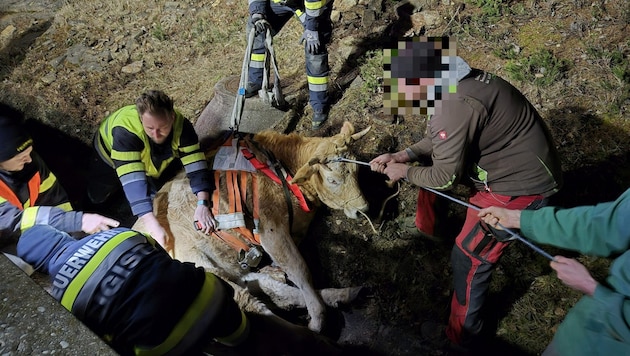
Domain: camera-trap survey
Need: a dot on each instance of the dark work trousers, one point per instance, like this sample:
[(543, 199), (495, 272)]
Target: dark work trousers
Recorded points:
[(477, 249), (317, 68)]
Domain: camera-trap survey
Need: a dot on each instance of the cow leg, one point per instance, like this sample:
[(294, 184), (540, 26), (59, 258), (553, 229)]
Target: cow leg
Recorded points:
[(280, 247), (288, 297)]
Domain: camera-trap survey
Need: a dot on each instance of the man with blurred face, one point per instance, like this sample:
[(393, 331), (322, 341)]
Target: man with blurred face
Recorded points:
[(140, 147)]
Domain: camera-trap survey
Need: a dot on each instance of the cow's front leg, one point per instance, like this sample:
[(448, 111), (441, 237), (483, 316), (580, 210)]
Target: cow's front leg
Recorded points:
[(283, 251)]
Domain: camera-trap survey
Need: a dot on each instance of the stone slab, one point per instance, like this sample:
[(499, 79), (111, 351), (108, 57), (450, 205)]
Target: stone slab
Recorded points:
[(216, 117), (32, 322)]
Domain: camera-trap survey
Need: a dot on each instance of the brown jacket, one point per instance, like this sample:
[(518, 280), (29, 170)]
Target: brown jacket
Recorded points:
[(490, 133)]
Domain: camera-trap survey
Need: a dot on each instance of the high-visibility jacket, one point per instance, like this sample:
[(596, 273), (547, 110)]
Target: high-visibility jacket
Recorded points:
[(26, 198), (123, 144), (128, 290)]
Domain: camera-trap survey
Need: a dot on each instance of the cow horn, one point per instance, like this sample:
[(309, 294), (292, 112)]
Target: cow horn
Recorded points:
[(358, 135)]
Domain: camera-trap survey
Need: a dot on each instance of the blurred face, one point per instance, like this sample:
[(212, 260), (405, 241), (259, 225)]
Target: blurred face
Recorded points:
[(415, 91), (157, 127), (18, 161)]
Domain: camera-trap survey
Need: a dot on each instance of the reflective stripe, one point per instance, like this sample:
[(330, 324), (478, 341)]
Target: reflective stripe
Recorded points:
[(257, 57), (320, 87), (196, 166), (29, 218), (237, 336), (204, 306), (47, 183), (317, 80), (190, 148), (126, 156), (133, 177), (192, 158), (130, 168), (256, 64), (314, 5), (314, 13), (82, 276), (65, 206)]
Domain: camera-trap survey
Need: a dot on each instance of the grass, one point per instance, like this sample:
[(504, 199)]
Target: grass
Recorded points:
[(187, 47), (542, 68)]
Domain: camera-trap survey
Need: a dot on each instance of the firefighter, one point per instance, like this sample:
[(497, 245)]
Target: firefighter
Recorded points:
[(140, 147), (131, 293), (29, 190), (315, 18)]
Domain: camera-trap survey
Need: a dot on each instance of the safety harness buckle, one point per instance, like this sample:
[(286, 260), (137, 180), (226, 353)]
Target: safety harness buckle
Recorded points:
[(250, 258)]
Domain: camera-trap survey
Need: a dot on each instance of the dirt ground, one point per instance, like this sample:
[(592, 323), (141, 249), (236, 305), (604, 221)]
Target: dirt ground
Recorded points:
[(67, 64)]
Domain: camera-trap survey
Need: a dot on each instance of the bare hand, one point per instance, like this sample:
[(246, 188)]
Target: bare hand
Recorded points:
[(153, 228), (396, 171), (574, 274), (204, 216), (379, 163), (495, 215), (93, 223)]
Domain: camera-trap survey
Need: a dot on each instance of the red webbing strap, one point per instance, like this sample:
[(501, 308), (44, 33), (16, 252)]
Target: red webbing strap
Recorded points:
[(295, 189)]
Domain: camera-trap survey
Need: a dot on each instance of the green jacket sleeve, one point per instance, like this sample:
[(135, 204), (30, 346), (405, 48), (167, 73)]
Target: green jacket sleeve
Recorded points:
[(599, 230)]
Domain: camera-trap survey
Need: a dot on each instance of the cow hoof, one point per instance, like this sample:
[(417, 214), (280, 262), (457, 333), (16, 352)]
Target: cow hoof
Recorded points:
[(315, 325)]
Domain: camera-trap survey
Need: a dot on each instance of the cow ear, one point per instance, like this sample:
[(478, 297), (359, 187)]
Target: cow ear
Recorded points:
[(347, 129), (304, 173)]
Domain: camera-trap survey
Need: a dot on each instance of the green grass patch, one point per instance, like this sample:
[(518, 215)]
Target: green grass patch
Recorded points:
[(541, 68)]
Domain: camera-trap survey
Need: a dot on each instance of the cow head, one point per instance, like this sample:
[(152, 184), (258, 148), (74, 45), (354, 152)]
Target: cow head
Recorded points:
[(335, 183)]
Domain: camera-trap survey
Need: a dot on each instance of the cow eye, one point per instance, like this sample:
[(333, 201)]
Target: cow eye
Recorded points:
[(332, 181)]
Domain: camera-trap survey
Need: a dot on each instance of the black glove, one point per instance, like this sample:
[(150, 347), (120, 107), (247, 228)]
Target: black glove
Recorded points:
[(260, 23), (312, 41)]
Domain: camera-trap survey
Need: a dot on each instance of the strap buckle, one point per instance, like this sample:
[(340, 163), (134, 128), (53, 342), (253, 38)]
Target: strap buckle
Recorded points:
[(250, 258)]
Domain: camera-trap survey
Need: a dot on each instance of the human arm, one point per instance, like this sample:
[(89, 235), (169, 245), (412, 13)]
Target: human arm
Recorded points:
[(574, 274), (201, 184), (126, 154), (495, 215), (599, 230), (153, 227), (92, 223), (380, 163), (451, 134)]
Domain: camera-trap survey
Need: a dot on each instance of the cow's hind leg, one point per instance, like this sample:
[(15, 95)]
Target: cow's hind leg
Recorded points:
[(287, 297)]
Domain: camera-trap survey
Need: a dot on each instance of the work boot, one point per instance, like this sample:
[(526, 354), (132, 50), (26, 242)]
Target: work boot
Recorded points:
[(318, 118), (251, 89)]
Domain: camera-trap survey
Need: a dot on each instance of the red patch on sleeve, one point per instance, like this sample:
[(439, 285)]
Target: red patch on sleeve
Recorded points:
[(442, 135)]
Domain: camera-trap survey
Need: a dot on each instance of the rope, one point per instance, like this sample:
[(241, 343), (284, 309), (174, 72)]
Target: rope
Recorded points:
[(274, 98)]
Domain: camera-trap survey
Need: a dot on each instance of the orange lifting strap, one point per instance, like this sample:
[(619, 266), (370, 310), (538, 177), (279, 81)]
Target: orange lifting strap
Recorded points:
[(237, 194)]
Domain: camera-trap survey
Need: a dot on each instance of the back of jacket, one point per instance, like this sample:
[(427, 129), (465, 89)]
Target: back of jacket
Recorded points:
[(490, 133)]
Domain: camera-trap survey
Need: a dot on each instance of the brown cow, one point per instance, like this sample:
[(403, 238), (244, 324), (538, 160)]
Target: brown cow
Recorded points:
[(320, 178)]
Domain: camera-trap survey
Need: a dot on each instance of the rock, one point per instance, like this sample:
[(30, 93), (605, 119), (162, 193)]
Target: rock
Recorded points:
[(7, 35), (49, 78), (133, 68)]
